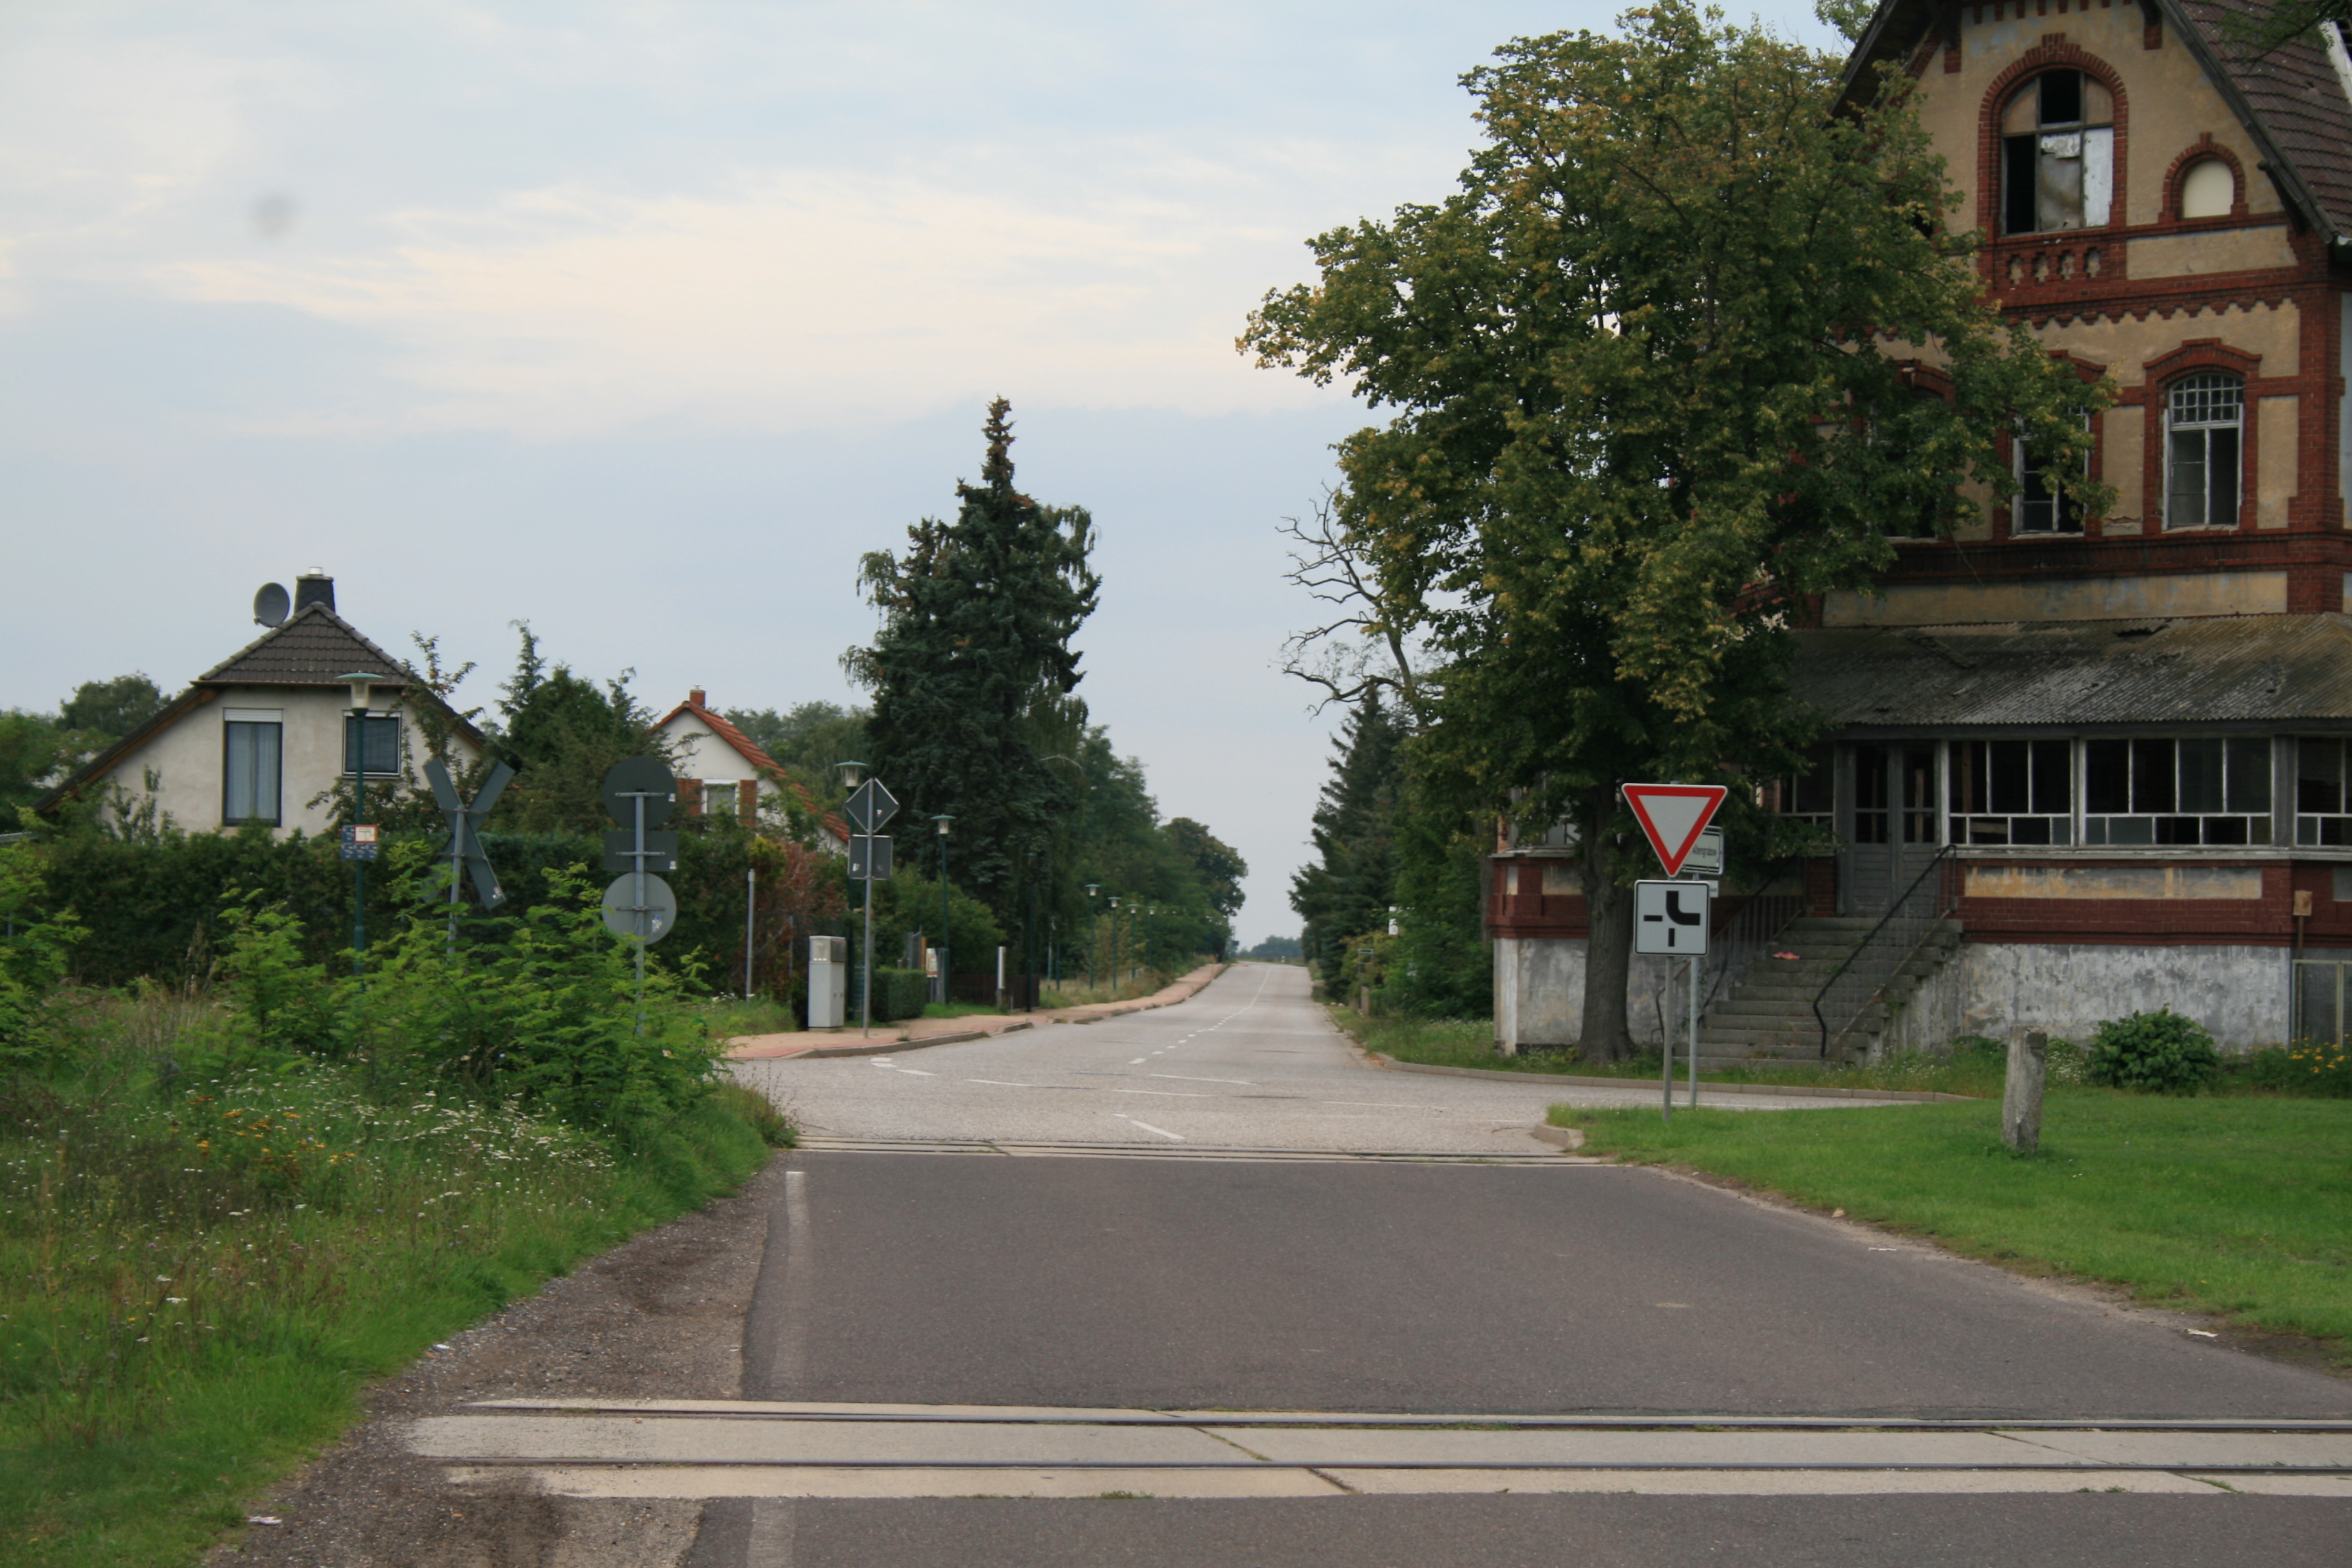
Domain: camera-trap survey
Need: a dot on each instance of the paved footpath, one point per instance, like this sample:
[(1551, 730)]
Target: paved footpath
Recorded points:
[(1199, 1287)]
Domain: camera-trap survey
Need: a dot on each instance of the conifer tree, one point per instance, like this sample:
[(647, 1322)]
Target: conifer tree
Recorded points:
[(973, 668), (1348, 890)]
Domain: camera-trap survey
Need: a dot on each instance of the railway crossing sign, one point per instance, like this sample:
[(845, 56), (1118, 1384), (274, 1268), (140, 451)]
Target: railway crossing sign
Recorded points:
[(464, 819), (1672, 816), (1670, 918)]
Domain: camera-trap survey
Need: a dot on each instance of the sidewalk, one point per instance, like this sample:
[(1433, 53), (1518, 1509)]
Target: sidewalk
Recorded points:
[(916, 1033)]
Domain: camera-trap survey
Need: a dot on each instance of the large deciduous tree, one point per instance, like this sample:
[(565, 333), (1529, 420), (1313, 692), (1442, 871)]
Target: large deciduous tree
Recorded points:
[(973, 668), (1661, 368)]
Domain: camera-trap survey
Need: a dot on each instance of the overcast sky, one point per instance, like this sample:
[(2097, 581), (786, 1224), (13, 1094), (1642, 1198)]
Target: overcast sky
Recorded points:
[(641, 322)]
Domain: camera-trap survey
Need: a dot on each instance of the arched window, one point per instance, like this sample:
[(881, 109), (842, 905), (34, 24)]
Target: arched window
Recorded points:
[(2058, 154), (2204, 422), (2208, 189)]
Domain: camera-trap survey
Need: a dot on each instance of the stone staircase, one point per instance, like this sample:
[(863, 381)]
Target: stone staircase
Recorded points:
[(1766, 1014)]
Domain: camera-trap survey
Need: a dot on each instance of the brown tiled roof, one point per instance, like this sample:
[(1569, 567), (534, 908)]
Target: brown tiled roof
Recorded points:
[(316, 648), (2257, 671), (2291, 100), (2296, 95), (753, 754)]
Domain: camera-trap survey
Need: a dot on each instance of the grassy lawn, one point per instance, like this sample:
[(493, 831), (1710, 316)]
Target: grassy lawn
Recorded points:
[(2239, 1205), (196, 1283)]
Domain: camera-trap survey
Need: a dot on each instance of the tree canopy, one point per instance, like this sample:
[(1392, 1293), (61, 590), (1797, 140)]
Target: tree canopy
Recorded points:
[(1684, 350), (972, 671)]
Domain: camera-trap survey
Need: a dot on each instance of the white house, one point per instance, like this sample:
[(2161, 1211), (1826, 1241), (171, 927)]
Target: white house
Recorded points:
[(267, 735), (719, 768)]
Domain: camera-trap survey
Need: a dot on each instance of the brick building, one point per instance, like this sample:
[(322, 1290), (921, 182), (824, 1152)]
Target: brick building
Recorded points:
[(2082, 765)]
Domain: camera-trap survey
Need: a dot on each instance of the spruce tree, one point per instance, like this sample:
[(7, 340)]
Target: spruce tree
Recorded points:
[(1347, 893), (972, 666)]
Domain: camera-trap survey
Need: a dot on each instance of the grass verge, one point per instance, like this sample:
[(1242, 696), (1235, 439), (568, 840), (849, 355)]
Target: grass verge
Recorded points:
[(196, 1281), (2238, 1206)]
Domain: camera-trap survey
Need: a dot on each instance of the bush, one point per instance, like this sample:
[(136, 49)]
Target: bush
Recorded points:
[(2159, 1053), (2318, 1068), (898, 994)]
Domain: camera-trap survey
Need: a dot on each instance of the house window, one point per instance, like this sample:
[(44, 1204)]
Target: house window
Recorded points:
[(2013, 792), (381, 736), (2208, 189), (1810, 797), (2058, 154), (2322, 814), (250, 771), (1894, 793), (2042, 507), (1871, 815), (2203, 791), (2204, 419)]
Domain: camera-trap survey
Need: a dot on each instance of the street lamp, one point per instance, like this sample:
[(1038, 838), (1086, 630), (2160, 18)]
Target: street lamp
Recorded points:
[(1117, 952), (363, 685), (1091, 944), (943, 818)]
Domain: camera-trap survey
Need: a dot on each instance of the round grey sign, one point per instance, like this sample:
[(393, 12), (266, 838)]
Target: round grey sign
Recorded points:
[(649, 924)]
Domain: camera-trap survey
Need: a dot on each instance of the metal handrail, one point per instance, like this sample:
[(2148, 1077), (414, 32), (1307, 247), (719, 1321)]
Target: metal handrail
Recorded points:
[(1900, 908), (1758, 924)]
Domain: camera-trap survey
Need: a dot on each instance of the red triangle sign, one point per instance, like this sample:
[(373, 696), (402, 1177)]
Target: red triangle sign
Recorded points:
[(1672, 816)]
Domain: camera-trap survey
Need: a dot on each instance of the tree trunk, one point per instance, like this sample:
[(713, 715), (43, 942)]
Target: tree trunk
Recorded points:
[(1609, 951)]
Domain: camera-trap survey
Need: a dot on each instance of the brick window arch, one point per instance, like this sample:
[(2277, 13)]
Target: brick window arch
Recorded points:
[(2207, 178), (2059, 150)]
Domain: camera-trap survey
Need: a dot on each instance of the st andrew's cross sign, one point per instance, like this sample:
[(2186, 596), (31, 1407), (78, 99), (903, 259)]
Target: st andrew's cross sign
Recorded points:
[(1672, 816)]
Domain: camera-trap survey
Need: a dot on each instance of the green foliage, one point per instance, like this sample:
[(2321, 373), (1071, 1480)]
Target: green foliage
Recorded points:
[(897, 993), (1851, 18), (1220, 864), (107, 710), (1276, 950), (2320, 1068), (562, 734), (910, 902), (1643, 416), (810, 741), (1441, 965), (281, 1004), (973, 669), (1346, 891), (2155, 1053), (34, 943)]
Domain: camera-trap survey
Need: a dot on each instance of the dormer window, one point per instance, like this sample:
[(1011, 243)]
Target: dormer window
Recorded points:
[(2058, 154)]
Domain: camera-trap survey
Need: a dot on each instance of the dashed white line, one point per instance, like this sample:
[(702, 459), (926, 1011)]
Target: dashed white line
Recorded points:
[(1162, 1093), (999, 1083), (1188, 1078), (1147, 1126)]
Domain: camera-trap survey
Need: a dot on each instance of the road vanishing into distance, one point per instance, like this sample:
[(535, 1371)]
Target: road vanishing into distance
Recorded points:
[(1200, 1286)]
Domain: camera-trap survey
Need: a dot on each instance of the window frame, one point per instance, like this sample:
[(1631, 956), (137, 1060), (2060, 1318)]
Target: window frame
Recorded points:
[(377, 724), (1971, 763), (2204, 378), (2322, 828), (2068, 520), (2021, 155), (2241, 771), (232, 730)]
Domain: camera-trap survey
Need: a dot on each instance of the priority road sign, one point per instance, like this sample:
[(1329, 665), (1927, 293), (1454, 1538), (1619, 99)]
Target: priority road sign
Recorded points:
[(1670, 918), (870, 806), (1672, 816)]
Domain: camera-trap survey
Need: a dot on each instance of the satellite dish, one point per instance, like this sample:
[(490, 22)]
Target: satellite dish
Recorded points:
[(270, 604)]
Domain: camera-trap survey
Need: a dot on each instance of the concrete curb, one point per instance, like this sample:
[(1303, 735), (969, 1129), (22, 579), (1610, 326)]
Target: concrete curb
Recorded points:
[(1566, 1139), (885, 1047), (1139, 1004), (1800, 1091)]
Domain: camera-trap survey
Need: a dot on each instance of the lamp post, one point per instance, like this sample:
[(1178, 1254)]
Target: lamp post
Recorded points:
[(946, 994), (1029, 937), (1117, 954), (852, 775), (1092, 888), (362, 684)]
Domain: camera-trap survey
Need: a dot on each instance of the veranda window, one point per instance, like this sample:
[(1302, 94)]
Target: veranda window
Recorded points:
[(2013, 792), (2208, 790), (2323, 790)]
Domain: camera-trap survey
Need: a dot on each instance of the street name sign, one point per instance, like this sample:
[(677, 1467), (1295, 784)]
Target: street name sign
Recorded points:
[(1670, 918), (1705, 858), (1672, 815), (359, 843)]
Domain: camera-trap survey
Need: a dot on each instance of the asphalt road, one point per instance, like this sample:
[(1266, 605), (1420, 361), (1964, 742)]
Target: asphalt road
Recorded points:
[(1250, 1062)]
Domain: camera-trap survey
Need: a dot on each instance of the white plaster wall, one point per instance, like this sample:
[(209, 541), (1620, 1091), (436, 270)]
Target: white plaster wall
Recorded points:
[(187, 757), (2240, 994), (1539, 994)]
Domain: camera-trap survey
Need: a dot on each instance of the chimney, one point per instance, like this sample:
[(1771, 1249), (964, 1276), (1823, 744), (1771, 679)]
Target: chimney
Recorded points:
[(695, 697), (313, 587)]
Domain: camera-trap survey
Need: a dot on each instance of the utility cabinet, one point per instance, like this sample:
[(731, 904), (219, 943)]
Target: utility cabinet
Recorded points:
[(828, 981)]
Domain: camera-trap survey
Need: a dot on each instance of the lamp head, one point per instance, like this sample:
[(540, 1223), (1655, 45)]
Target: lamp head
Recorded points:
[(943, 818), (852, 773), (361, 682)]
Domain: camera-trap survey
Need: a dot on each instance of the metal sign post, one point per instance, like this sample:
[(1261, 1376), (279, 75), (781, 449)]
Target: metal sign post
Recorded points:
[(870, 806), (640, 793), (1670, 919)]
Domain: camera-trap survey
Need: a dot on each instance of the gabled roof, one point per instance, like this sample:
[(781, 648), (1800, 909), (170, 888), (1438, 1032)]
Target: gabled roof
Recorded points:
[(2247, 671), (753, 753), (315, 648), (2294, 101)]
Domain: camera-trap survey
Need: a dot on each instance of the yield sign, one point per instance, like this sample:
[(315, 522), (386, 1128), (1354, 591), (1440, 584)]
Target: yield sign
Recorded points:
[(1673, 815)]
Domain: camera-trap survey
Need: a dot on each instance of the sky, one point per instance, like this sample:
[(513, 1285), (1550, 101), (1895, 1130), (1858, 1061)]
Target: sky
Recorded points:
[(643, 322)]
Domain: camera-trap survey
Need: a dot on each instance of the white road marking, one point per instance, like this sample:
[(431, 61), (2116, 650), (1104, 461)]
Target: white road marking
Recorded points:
[(1148, 1127), (999, 1083), (1162, 1093), (1188, 1078), (1136, 1063), (882, 1061), (915, 1072)]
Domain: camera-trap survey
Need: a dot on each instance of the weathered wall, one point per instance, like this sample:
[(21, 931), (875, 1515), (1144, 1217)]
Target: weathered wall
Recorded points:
[(2066, 599), (2000, 988), (1540, 994)]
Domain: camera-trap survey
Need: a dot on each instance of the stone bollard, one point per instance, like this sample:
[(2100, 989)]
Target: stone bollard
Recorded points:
[(2021, 1098)]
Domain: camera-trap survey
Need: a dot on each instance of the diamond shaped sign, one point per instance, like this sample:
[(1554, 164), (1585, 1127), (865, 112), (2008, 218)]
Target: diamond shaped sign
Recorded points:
[(1672, 816)]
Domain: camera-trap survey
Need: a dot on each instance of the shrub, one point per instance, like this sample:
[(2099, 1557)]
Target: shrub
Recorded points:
[(898, 994), (2319, 1068), (2160, 1052)]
